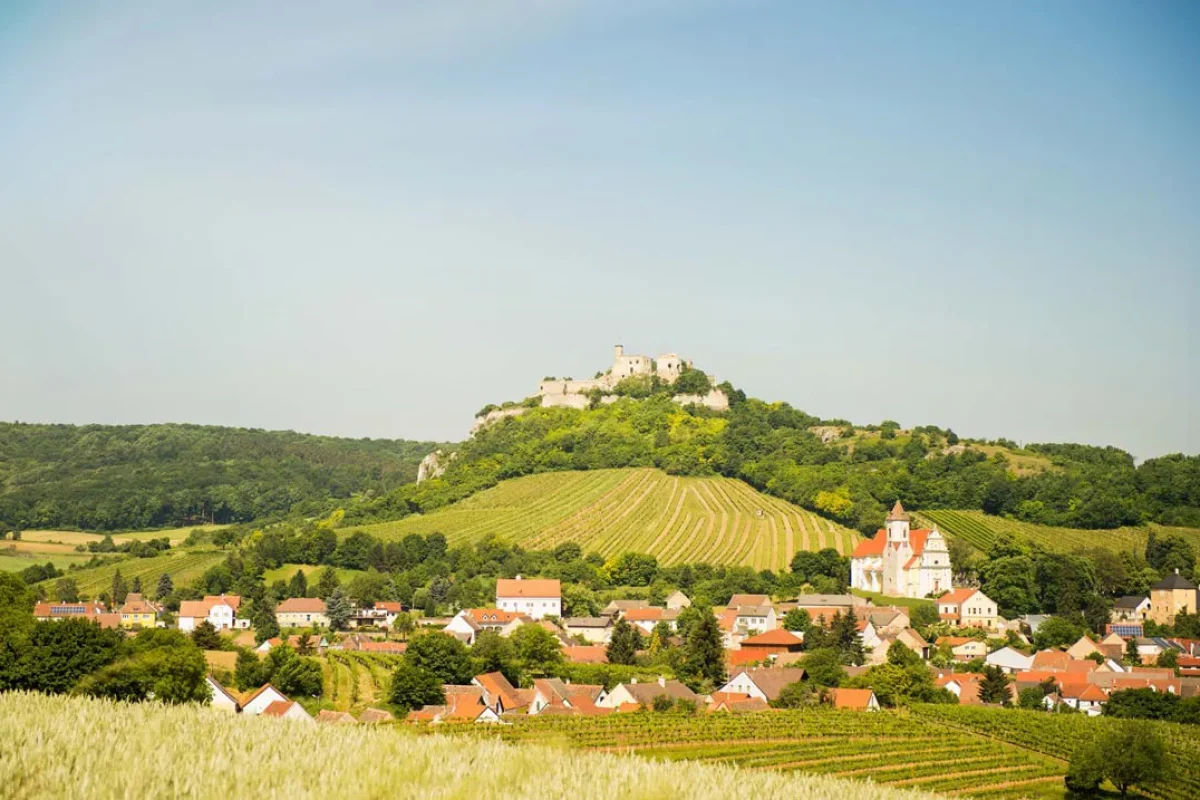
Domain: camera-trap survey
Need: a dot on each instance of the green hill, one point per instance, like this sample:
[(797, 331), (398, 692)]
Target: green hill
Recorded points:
[(130, 477), (979, 530), (676, 519), (184, 566)]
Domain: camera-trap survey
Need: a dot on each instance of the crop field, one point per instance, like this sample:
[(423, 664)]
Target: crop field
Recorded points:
[(1058, 735), (41, 757), (676, 519), (979, 530), (285, 572), (886, 748), (354, 681), (181, 565), (72, 538)]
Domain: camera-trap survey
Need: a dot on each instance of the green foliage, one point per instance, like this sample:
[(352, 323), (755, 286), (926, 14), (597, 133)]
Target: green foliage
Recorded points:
[(337, 609), (298, 677), (537, 649), (993, 688), (62, 652), (125, 477), (248, 672), (161, 666), (1127, 756), (413, 687), (1057, 632), (703, 665), (442, 655), (205, 636), (823, 666), (624, 643), (801, 694)]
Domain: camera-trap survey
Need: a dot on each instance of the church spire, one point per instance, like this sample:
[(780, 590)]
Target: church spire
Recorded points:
[(898, 514)]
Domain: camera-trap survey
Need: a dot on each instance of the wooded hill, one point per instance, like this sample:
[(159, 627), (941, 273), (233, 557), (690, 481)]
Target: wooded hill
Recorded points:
[(126, 477), (848, 473)]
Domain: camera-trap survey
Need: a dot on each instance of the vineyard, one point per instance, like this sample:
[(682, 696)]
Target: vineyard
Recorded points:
[(182, 565), (885, 748), (979, 530), (1058, 735), (675, 519), (353, 681)]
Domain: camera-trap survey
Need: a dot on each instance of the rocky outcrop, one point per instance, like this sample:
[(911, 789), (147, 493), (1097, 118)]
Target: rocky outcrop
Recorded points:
[(433, 465), (499, 413)]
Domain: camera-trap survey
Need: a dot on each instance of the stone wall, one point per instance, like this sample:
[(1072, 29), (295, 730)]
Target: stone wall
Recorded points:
[(499, 413), (716, 400)]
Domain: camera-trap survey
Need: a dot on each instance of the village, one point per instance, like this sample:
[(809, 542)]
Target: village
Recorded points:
[(763, 644)]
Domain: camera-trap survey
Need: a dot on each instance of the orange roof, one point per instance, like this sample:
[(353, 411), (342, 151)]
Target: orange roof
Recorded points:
[(301, 605), (586, 654), (234, 601), (1051, 660), (277, 708), (779, 636), (394, 608), (1081, 665), (851, 698), (954, 641), (521, 587), (874, 546), (397, 648), (643, 614), (956, 597), (134, 604), (1083, 691), (493, 616), (498, 688), (729, 697)]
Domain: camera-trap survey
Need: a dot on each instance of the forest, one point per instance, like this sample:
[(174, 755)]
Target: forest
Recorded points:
[(127, 477), (771, 447)]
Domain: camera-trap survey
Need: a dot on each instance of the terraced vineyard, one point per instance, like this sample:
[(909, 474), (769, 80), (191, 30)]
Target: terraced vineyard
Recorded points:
[(885, 748), (182, 565), (676, 519), (354, 681), (979, 530)]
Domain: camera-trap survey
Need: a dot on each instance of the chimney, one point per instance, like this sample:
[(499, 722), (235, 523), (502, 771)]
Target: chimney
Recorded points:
[(662, 681)]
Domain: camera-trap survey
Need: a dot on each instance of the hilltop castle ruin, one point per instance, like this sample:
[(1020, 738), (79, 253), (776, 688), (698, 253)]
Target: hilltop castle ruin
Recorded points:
[(667, 367)]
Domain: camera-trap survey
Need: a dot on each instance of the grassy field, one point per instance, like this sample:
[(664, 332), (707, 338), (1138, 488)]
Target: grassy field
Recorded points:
[(193, 752), (15, 562), (887, 748), (286, 571), (72, 538), (676, 519), (979, 530), (181, 565)]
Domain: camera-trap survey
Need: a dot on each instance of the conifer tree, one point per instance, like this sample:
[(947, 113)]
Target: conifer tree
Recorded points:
[(337, 609), (298, 586), (994, 686), (703, 655), (165, 586), (119, 589), (623, 646)]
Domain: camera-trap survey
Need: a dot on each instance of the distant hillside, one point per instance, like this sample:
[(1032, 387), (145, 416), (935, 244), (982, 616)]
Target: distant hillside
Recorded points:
[(980, 530), (676, 519), (846, 472), (127, 477)]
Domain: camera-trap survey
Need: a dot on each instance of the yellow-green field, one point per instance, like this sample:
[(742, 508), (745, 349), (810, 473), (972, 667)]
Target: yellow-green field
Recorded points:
[(181, 565), (979, 530), (72, 538), (286, 571), (715, 520)]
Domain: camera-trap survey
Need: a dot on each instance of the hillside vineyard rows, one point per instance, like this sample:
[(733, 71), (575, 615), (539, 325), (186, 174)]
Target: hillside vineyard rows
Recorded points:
[(354, 681), (676, 519), (182, 566), (980, 530)]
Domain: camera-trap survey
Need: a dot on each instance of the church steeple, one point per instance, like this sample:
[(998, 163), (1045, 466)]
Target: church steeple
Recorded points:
[(897, 525), (897, 513)]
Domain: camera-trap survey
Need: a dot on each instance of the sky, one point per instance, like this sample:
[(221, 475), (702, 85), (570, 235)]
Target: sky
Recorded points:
[(373, 219)]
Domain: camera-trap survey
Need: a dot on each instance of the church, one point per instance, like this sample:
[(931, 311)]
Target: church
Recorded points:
[(901, 562)]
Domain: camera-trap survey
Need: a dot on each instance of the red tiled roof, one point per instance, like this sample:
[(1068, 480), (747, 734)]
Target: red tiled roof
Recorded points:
[(535, 587), (643, 614), (394, 608), (851, 698), (492, 616), (874, 546), (1051, 659), (779, 636), (301, 605), (277, 708), (956, 597), (586, 654)]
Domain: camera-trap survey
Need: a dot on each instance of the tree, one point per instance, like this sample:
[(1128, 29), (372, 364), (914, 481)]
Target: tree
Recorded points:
[(624, 643), (61, 652), (165, 586), (414, 687), (494, 653), (1128, 755), (119, 589), (205, 636), (443, 655), (537, 649), (1031, 698), (823, 667), (1168, 659), (801, 694), (66, 590), (299, 677), (264, 621), (337, 609), (298, 585), (1057, 632), (248, 672), (1141, 704), (797, 620), (327, 582), (169, 669), (404, 625), (137, 585), (704, 655), (1132, 656), (994, 687), (901, 655), (923, 615)]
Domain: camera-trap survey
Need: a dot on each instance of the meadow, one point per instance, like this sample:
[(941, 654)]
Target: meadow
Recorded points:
[(183, 565), (195, 752), (676, 519), (979, 530)]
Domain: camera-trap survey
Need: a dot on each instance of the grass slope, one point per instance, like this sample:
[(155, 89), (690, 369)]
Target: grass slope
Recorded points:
[(676, 519), (182, 565), (979, 530), (884, 748), (193, 752)]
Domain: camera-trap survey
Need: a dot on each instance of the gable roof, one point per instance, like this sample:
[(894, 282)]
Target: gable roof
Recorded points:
[(1051, 660), (778, 637), (497, 687), (875, 545), (748, 600), (588, 622), (852, 698), (1130, 601), (956, 597), (586, 654), (645, 693), (491, 616), (301, 605), (218, 688), (1173, 582), (533, 587), (134, 604), (771, 680), (278, 708)]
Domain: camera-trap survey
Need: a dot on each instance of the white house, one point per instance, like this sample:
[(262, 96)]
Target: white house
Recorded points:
[(219, 697), (594, 630), (537, 598), (286, 709), (643, 694), (302, 612), (969, 608), (752, 619), (763, 683), (1131, 608), (262, 699), (901, 562), (1009, 660), (678, 601), (220, 610)]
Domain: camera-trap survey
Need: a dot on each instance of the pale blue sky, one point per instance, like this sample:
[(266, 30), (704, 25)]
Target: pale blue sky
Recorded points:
[(373, 219)]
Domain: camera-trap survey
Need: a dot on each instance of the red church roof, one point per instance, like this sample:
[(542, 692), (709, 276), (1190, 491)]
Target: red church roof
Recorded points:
[(874, 546)]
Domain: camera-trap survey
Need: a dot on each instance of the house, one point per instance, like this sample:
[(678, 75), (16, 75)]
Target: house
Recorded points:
[(1113, 646), (302, 612), (330, 717), (585, 654), (822, 607), (968, 608), (963, 648), (736, 703), (467, 623), (93, 611), (594, 630), (380, 615), (371, 716), (677, 601), (1082, 696), (1170, 596), (1051, 660), (286, 709), (219, 610), (748, 600), (762, 683), (1083, 648), (500, 695), (261, 699), (762, 647), (540, 597), (1031, 622), (854, 699), (463, 704), (645, 619), (137, 613), (1009, 660), (913, 641), (618, 607), (643, 694), (888, 620), (901, 562), (552, 692), (1131, 608), (752, 619), (219, 697)]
